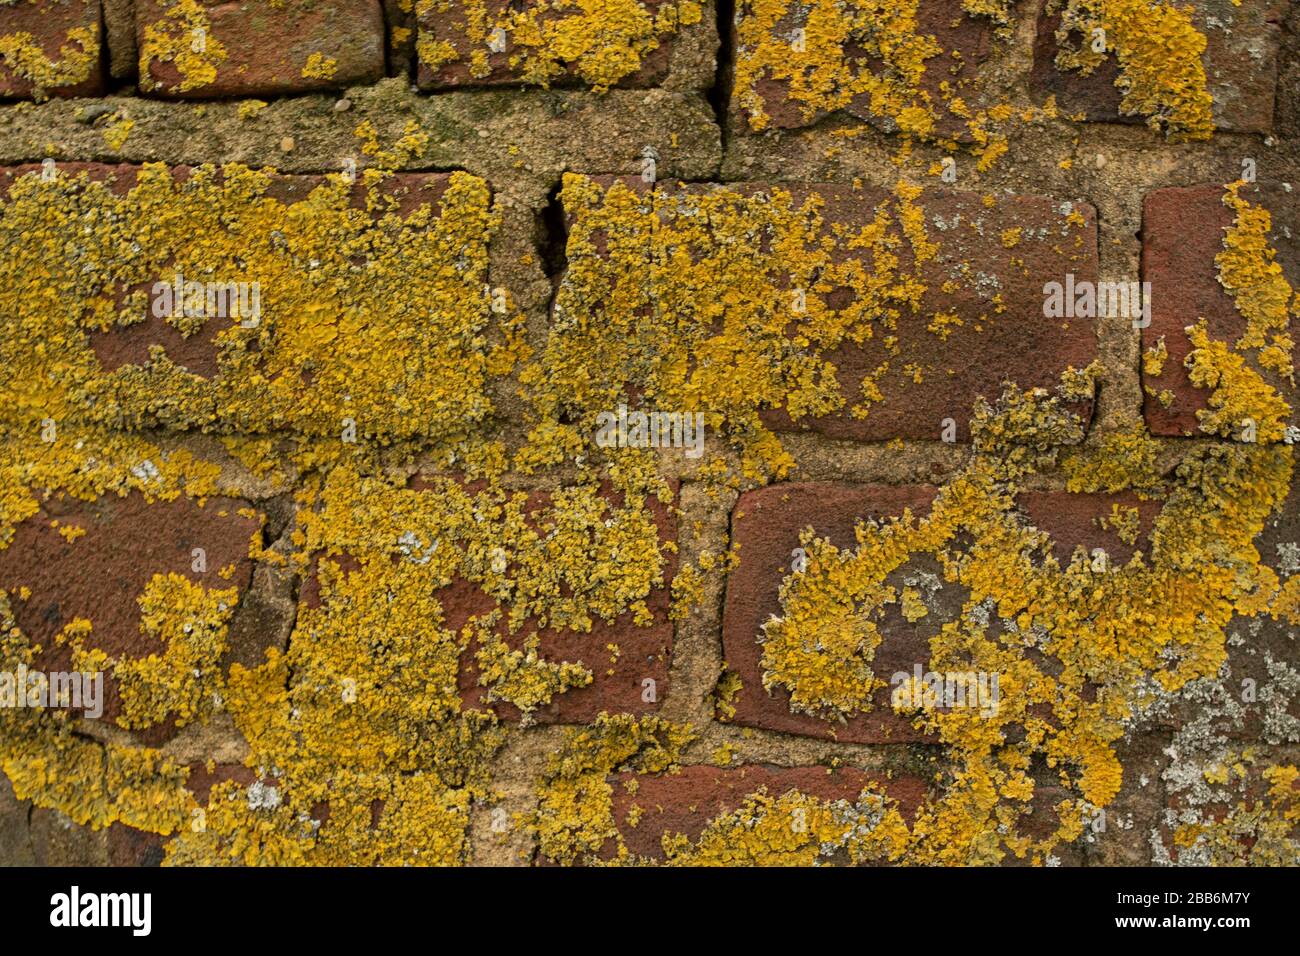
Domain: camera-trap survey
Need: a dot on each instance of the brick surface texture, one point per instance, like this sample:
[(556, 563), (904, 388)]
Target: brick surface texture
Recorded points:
[(534, 434)]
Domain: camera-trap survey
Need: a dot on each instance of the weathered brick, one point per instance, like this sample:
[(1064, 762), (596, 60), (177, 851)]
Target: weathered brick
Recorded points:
[(214, 49), (997, 294), (1076, 521), (127, 846), (766, 526), (986, 280), (127, 385), (542, 42), (685, 802), (1182, 232), (100, 574), (50, 47), (619, 679), (1119, 835), (1240, 62), (955, 47)]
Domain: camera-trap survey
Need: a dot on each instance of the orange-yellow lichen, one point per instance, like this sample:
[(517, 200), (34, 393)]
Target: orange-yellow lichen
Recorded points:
[(22, 56), (1074, 648), (183, 38), (1159, 52), (601, 41)]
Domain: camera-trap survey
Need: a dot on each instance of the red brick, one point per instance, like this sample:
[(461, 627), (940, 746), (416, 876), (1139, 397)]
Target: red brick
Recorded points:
[(1240, 60), (445, 22), (616, 686), (1018, 345), (965, 45), (267, 47), (128, 846), (685, 802), (1074, 521), (766, 525), (1182, 232), (130, 345), (49, 25), (100, 575)]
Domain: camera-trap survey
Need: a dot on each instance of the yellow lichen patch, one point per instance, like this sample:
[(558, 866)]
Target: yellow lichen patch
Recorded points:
[(115, 135), (1120, 461), (1074, 650), (522, 677), (410, 145), (574, 817), (670, 295), (331, 321), (600, 41), (724, 695), (183, 38), (1126, 523), (1242, 404), (1259, 290), (795, 829), (22, 56), (1159, 52), (250, 108), (1154, 358), (320, 67)]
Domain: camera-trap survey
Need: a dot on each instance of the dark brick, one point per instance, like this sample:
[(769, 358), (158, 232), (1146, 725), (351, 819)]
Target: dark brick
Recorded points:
[(128, 846), (989, 348), (1240, 60), (616, 686), (268, 48), (1182, 232), (100, 575), (447, 22), (130, 345), (685, 802), (766, 525), (973, 275), (67, 33), (965, 42), (1074, 521)]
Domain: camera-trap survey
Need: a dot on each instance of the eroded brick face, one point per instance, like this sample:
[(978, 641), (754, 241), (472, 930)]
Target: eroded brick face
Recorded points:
[(93, 561), (1184, 234), (540, 42), (685, 803), (945, 64), (1239, 62), (975, 321), (628, 660), (990, 272), (50, 47), (766, 526), (206, 49)]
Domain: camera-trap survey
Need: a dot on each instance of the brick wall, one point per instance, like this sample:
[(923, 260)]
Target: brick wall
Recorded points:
[(330, 327)]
